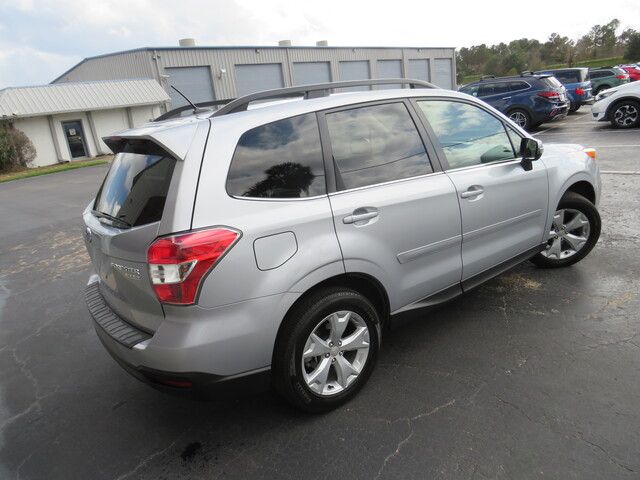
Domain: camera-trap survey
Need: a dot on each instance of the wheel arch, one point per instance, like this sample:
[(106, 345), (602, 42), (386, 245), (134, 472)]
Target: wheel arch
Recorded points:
[(584, 188), (615, 103), (363, 283)]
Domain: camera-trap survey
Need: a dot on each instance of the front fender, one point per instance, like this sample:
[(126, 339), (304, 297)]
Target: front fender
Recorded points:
[(567, 165)]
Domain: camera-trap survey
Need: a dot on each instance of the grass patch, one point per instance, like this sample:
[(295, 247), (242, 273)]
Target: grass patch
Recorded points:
[(59, 167)]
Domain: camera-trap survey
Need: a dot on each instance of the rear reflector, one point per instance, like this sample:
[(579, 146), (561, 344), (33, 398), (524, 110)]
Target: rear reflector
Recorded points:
[(178, 263)]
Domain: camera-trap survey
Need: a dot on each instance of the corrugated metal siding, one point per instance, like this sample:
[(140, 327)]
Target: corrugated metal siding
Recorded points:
[(76, 97), (222, 60), (120, 66)]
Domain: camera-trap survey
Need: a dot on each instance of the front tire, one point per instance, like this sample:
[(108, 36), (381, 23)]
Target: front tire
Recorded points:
[(326, 349), (625, 114), (574, 232)]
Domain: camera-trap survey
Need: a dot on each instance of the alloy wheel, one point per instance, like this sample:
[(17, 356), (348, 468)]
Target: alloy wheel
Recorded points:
[(335, 353), (569, 234), (626, 115), (519, 118)]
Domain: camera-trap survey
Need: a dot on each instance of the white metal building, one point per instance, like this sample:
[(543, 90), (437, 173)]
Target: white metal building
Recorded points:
[(67, 121), (216, 73)]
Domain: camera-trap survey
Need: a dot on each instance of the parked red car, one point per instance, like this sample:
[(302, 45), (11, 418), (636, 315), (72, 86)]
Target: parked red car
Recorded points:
[(633, 71)]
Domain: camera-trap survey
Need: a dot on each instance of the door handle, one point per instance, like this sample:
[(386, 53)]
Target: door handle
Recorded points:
[(472, 192), (360, 215), (506, 98)]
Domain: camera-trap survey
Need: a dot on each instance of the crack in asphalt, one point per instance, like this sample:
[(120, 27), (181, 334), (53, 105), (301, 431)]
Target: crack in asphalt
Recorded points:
[(146, 460), (407, 439)]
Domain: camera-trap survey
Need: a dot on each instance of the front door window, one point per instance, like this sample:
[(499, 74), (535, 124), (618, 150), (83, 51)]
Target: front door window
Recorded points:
[(75, 138)]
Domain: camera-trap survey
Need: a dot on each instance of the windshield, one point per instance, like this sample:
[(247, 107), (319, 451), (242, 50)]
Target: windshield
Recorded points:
[(135, 189)]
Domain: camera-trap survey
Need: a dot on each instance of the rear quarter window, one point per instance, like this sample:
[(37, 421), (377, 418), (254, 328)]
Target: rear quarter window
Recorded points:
[(282, 159)]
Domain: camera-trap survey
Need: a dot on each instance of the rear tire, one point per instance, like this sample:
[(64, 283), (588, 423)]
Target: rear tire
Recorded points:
[(574, 232), (625, 114), (574, 108), (520, 117), (316, 367)]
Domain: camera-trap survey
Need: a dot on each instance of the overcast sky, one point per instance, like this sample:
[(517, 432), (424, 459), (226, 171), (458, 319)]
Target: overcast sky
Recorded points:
[(40, 39)]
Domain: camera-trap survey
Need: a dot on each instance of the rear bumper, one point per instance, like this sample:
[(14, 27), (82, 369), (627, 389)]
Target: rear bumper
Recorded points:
[(194, 347), (552, 112)]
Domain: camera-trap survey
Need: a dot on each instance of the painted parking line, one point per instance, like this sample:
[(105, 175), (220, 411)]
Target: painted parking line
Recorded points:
[(615, 146), (619, 172)]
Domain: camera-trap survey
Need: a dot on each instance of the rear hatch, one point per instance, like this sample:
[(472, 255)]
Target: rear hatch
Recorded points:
[(120, 225)]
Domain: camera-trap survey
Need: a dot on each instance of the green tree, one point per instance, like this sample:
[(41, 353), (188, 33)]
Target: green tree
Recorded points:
[(632, 52)]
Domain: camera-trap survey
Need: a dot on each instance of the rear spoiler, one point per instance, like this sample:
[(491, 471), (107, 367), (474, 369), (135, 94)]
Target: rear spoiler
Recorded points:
[(173, 138)]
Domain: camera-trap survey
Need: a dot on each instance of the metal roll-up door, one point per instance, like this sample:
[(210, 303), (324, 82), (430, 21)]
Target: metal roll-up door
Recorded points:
[(194, 82), (306, 73), (419, 69), (389, 69), (258, 77), (355, 70), (442, 73)]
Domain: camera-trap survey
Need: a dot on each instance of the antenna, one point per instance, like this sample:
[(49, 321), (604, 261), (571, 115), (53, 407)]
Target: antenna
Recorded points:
[(195, 109)]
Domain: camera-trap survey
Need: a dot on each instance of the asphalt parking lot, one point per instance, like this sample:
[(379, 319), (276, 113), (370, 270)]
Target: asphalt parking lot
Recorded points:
[(533, 375)]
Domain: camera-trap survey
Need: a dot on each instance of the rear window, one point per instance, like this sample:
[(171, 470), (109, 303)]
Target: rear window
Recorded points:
[(135, 189), (551, 82), (568, 76)]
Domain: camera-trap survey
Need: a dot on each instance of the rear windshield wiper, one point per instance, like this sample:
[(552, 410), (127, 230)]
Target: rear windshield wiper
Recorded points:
[(112, 218)]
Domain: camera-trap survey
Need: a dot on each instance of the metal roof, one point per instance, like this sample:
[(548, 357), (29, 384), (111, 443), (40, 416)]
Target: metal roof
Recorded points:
[(16, 102)]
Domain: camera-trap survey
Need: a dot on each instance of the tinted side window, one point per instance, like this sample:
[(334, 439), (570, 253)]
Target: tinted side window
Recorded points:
[(516, 86), (282, 159), (493, 89), (471, 90), (467, 134), (376, 144)]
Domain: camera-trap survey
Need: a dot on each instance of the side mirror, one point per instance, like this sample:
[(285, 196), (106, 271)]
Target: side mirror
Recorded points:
[(530, 150)]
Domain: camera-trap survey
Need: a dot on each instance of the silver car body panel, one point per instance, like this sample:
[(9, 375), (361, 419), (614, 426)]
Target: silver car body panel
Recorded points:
[(418, 245)]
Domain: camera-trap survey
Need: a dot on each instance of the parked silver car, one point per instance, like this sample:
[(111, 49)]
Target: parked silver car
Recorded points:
[(276, 239)]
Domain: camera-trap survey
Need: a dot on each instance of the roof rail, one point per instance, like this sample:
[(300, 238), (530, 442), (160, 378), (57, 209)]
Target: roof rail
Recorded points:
[(484, 77), (177, 111), (313, 91), (526, 72)]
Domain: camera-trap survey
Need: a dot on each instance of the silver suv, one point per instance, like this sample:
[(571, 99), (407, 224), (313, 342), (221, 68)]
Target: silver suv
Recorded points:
[(276, 236)]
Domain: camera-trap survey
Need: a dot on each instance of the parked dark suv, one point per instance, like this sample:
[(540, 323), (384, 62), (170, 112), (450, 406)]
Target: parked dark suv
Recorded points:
[(527, 99), (576, 81)]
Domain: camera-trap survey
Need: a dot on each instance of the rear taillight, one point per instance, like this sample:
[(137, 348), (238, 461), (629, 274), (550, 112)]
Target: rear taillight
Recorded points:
[(580, 91), (622, 77), (550, 95), (177, 264)]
